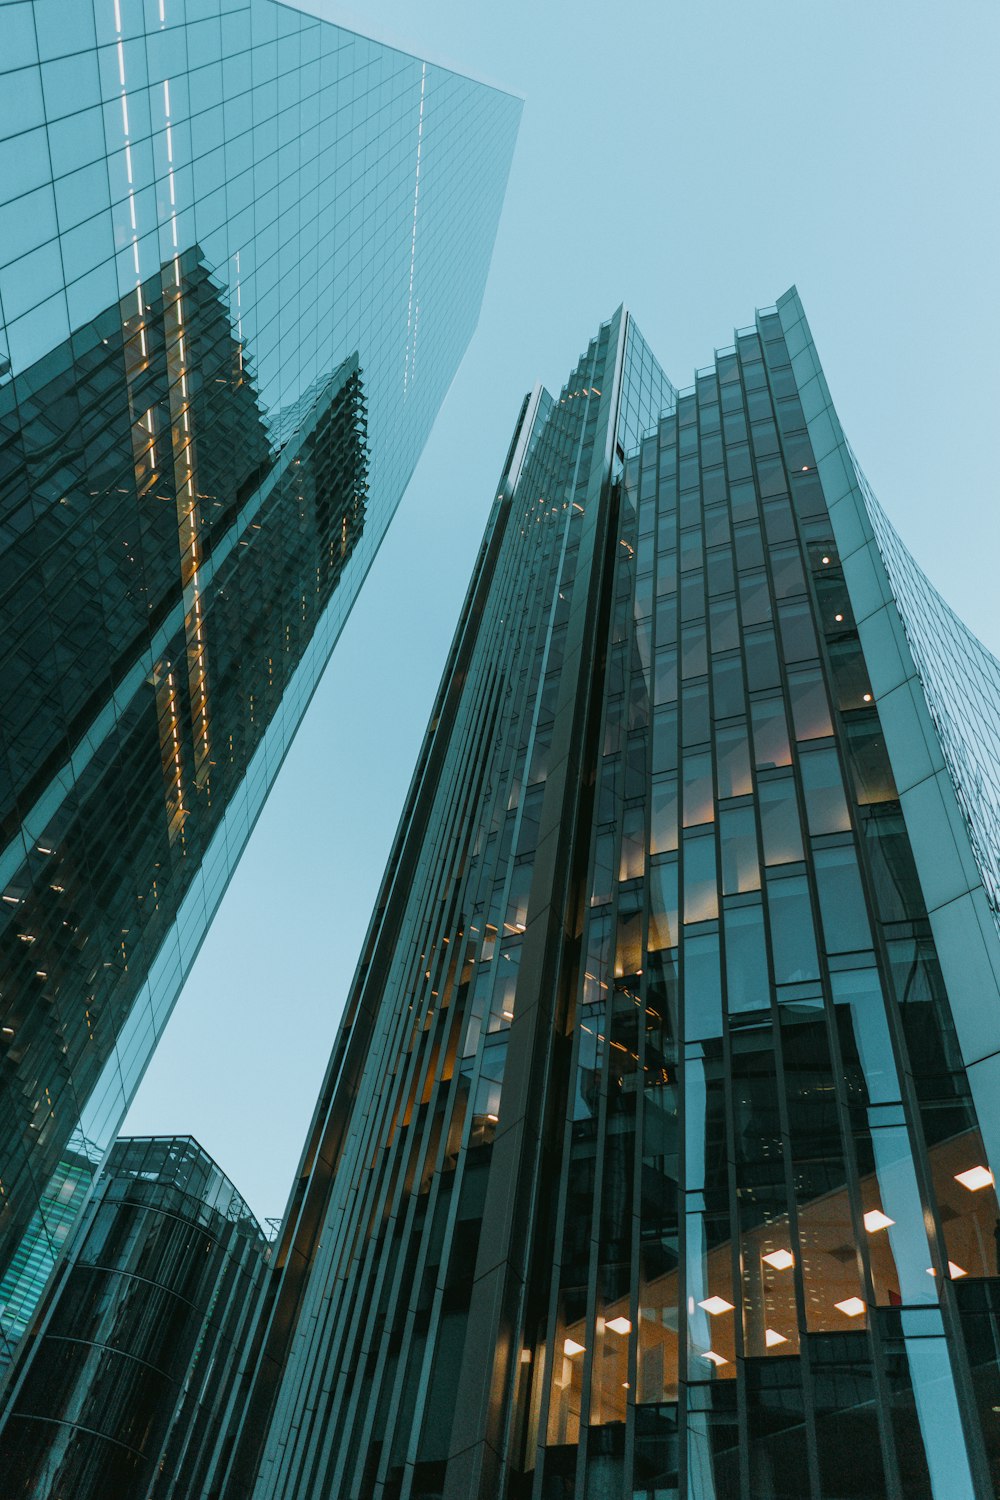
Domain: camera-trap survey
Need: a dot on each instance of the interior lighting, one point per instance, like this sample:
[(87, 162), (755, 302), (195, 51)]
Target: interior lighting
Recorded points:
[(619, 1325), (954, 1272), (867, 697), (779, 1259), (716, 1305), (851, 1307), (772, 1337), (825, 560), (838, 618), (875, 1220), (713, 1358), (975, 1178), (571, 1347)]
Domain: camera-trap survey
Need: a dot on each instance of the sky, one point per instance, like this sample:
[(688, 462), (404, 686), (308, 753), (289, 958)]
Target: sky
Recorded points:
[(692, 160)]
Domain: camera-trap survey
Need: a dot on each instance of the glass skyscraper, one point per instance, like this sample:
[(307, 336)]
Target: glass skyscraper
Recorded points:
[(242, 251), (655, 1156), (136, 1353)]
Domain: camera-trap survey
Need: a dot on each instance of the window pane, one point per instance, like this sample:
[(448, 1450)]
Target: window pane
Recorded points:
[(761, 659), (770, 733), (793, 942), (727, 686), (798, 639), (696, 724), (663, 816), (702, 987), (841, 901), (633, 852), (665, 680), (664, 740), (746, 960), (725, 625), (603, 856), (810, 706), (699, 804), (826, 807), (701, 896), (662, 906), (869, 763), (864, 1037), (740, 871), (733, 762), (779, 821)]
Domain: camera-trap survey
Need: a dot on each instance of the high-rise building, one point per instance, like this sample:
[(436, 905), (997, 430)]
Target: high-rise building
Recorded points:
[(135, 1353), (655, 1157), (242, 251)]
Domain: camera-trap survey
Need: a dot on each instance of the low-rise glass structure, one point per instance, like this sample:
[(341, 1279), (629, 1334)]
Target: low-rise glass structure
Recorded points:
[(656, 1153), (120, 1388), (242, 251)]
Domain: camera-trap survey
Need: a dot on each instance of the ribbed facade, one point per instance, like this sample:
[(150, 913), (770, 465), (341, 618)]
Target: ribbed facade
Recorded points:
[(651, 1158), (120, 1390), (242, 251)]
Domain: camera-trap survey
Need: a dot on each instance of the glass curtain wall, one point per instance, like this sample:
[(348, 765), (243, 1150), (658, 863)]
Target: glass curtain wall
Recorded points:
[(120, 1390), (650, 1161), (242, 251)]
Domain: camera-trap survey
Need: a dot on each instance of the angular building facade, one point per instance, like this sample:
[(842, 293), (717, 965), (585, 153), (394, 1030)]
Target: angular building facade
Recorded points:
[(242, 252), (655, 1156), (136, 1352)]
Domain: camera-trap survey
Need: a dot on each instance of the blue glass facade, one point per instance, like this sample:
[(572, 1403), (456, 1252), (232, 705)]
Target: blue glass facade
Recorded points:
[(135, 1354), (242, 251), (656, 1153)]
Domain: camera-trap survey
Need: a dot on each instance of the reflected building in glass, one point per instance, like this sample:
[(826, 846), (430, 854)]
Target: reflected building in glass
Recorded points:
[(135, 1352), (655, 1156), (242, 252)]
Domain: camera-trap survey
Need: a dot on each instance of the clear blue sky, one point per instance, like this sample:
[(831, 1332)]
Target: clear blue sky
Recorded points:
[(692, 159)]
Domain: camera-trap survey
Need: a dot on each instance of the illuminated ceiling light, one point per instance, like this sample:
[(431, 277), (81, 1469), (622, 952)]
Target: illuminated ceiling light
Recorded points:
[(825, 560), (975, 1178), (619, 1325), (772, 1337), (838, 618), (716, 1305), (713, 1358), (867, 697), (526, 1356), (779, 1259), (876, 1220), (954, 1272), (851, 1307), (571, 1347)]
